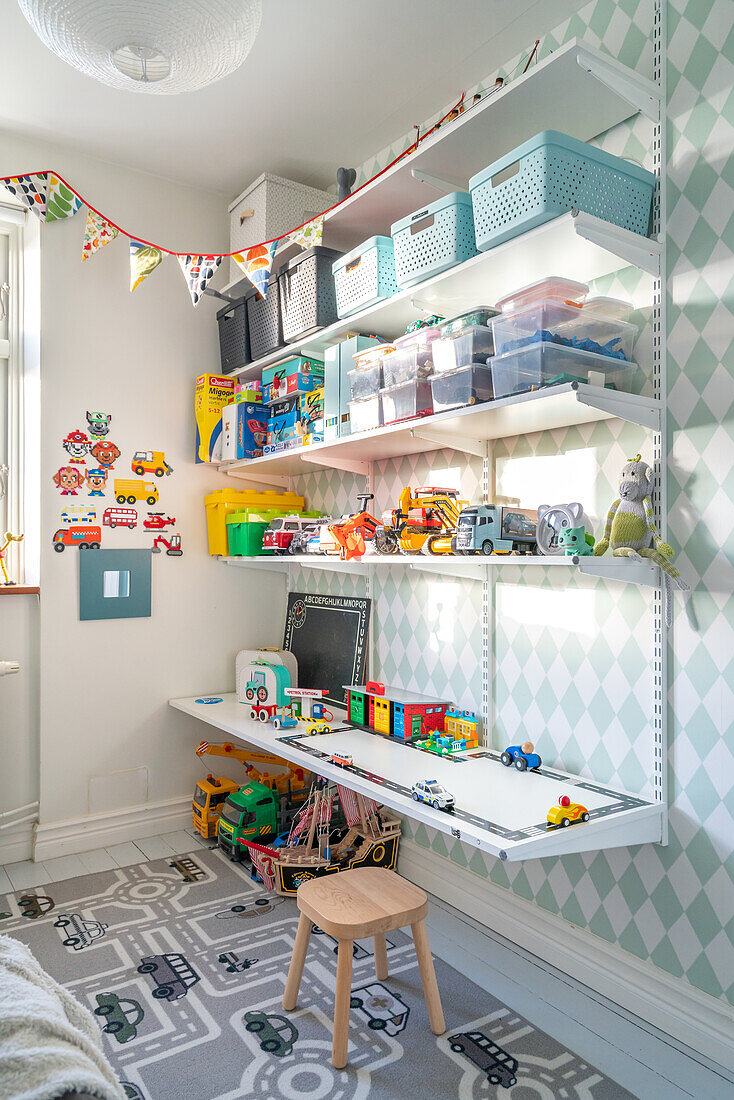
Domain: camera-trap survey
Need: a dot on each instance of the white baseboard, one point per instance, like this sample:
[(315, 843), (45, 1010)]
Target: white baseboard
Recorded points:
[(16, 844), (676, 1008), (84, 834)]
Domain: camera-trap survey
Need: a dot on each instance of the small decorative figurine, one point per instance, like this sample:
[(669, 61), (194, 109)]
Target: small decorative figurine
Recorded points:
[(576, 541), (630, 528), (345, 180), (9, 537)]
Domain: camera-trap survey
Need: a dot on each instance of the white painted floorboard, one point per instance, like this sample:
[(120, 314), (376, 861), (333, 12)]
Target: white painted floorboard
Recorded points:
[(27, 874), (99, 860), (64, 867), (155, 847)]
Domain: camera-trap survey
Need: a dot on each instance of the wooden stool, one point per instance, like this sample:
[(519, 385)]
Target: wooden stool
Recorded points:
[(352, 905)]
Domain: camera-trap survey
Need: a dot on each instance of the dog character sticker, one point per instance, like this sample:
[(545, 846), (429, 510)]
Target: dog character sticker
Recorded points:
[(96, 481), (77, 445), (69, 480), (98, 424), (105, 454)]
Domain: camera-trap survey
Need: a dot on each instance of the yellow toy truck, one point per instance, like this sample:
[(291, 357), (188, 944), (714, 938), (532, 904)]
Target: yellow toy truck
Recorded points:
[(129, 491), (423, 522), (150, 462)]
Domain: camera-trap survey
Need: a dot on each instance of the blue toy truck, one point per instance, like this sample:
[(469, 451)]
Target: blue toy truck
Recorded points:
[(487, 529)]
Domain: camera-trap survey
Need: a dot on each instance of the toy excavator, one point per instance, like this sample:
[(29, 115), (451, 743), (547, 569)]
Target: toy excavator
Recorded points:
[(353, 533), (211, 793), (423, 522)]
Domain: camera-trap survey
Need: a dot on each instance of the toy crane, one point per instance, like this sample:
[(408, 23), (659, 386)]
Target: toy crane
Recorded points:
[(3, 549), (211, 793)]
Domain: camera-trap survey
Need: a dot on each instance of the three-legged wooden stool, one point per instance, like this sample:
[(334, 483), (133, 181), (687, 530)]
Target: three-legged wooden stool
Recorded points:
[(353, 905)]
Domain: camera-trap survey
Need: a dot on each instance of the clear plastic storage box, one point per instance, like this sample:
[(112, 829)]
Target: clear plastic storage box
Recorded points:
[(539, 365), (464, 340), (565, 324), (407, 401), (366, 378), (365, 413), (468, 385), (554, 288), (412, 358)]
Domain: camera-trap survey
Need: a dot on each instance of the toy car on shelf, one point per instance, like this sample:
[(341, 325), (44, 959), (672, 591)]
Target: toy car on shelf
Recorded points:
[(524, 757), (342, 759), (431, 792), (314, 726), (567, 812)]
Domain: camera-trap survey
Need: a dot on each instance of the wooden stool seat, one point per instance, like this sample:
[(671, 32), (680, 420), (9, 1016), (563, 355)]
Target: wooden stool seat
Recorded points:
[(353, 905)]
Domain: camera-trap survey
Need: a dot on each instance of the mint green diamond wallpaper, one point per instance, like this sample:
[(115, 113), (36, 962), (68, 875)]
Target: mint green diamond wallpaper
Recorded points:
[(571, 662)]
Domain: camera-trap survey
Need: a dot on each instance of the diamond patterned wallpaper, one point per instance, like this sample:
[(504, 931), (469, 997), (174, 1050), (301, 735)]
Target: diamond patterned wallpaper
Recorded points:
[(579, 683)]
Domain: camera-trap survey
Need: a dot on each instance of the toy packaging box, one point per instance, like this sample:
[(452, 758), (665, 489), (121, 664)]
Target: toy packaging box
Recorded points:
[(211, 394), (244, 430), (312, 409), (284, 420), (299, 375)]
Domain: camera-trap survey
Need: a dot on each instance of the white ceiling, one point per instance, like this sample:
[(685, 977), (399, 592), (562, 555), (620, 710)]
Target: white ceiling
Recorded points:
[(328, 83)]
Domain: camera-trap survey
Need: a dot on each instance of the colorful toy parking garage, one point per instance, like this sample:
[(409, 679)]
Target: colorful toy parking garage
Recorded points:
[(429, 722)]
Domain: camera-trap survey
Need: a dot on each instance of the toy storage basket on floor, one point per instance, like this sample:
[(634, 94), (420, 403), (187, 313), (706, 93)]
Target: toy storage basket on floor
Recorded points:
[(234, 336), (433, 239), (551, 174), (365, 275), (307, 294), (264, 321)]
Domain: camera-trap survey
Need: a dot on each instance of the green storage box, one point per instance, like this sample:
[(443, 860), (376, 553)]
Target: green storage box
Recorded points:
[(245, 532)]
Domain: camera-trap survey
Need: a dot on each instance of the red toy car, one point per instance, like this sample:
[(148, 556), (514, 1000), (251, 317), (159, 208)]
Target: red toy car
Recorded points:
[(157, 521), (279, 535)]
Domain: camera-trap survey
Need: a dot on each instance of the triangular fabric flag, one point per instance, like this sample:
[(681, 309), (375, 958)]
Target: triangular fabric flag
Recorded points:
[(61, 202), (143, 259), (31, 190), (309, 234), (256, 263), (198, 270), (97, 233)]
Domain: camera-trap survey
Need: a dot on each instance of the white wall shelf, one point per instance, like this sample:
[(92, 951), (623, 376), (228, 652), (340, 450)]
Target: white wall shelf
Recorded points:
[(515, 803), (542, 410), (579, 242), (642, 573)]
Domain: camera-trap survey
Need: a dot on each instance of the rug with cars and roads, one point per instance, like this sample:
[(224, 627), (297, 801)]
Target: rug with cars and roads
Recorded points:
[(183, 961)]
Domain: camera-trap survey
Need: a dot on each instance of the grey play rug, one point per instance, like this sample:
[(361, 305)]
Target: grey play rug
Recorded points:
[(184, 961)]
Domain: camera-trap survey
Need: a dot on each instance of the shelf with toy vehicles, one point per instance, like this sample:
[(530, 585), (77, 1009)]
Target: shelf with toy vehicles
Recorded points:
[(423, 521), (211, 793), (499, 810)]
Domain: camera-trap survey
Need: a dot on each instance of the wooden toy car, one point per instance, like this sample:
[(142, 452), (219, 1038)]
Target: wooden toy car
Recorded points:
[(567, 812), (524, 757)]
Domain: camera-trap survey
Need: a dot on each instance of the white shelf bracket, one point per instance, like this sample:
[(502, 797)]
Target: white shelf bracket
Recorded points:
[(446, 186), (644, 573), (458, 442), (631, 247), (619, 404), (335, 462), (273, 481), (636, 90)]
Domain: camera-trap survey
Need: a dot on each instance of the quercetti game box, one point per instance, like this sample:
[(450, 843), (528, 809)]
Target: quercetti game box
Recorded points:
[(212, 393)]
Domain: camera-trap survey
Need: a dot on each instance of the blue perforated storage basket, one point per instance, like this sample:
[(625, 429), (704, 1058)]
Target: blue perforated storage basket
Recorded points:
[(551, 174), (433, 239), (365, 276)]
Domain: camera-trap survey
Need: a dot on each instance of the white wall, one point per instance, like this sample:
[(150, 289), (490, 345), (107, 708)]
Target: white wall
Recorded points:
[(104, 686)]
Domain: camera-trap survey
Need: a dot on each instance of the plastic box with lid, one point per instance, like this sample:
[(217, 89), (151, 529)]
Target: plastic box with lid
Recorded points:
[(412, 358), (365, 413), (366, 377), (565, 324), (221, 502), (407, 400), (464, 340), (467, 385), (536, 366)]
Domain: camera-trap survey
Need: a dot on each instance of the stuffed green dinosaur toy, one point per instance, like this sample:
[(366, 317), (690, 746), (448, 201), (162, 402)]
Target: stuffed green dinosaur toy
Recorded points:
[(630, 528)]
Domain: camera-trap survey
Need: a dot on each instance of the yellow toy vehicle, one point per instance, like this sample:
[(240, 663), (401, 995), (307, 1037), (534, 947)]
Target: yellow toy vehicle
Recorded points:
[(150, 462), (424, 521), (567, 812), (130, 490)]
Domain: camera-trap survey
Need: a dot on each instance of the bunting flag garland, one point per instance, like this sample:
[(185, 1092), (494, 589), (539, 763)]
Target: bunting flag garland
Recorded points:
[(197, 271), (31, 190), (61, 201), (310, 234), (257, 263), (97, 233), (144, 258)]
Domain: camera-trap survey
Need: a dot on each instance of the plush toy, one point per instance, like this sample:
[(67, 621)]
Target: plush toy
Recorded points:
[(576, 541), (630, 528)]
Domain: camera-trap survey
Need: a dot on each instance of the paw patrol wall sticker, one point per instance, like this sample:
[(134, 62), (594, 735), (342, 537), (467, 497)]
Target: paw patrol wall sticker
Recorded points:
[(77, 445), (98, 424), (68, 480), (96, 481), (105, 453)]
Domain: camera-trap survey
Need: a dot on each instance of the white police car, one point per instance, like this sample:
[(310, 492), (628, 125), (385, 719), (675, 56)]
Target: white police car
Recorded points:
[(428, 790)]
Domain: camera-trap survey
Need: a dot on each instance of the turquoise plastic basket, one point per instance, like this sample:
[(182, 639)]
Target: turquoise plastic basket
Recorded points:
[(434, 239), (551, 174), (365, 276)]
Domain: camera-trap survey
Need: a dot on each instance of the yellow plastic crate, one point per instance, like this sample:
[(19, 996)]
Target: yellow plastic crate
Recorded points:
[(223, 501)]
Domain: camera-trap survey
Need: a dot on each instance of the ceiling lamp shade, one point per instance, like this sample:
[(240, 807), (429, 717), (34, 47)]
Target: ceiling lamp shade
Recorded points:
[(163, 46)]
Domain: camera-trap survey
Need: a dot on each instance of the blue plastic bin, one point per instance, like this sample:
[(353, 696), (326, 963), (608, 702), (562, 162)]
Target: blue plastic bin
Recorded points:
[(548, 176), (433, 239), (365, 276)]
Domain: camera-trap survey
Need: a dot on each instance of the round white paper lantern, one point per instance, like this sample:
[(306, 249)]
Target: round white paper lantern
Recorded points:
[(164, 46)]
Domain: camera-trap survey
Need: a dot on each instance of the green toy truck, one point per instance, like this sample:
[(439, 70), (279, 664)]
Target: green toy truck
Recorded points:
[(256, 813)]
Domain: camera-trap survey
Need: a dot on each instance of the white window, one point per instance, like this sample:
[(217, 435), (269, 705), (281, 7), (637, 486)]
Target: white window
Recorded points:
[(20, 387)]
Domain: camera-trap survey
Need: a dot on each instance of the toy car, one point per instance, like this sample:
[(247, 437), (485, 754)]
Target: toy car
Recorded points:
[(524, 757), (343, 759), (314, 726), (430, 791), (283, 721), (567, 812)]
